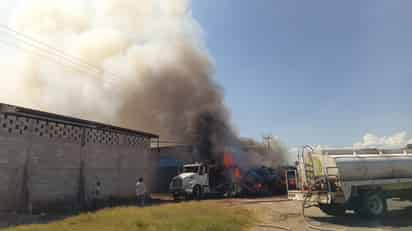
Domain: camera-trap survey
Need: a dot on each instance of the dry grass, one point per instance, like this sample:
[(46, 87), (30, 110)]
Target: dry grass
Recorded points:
[(199, 216)]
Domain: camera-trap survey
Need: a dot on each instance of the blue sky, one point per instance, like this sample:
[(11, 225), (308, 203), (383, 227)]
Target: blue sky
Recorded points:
[(316, 72)]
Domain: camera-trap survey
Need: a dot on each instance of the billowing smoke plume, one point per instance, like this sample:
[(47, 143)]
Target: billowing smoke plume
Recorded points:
[(269, 153), (154, 73)]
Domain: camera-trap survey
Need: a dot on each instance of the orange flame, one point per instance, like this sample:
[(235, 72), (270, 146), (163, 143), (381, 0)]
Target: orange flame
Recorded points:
[(229, 163), (228, 160), (237, 174)]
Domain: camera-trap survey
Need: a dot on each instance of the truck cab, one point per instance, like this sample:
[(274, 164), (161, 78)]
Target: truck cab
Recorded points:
[(199, 179), (193, 181)]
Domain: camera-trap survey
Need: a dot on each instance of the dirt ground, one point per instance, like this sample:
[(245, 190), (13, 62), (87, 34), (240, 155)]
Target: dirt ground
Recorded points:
[(280, 214), (277, 213)]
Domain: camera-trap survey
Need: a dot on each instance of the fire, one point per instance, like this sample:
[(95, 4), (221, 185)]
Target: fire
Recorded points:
[(230, 164), (237, 173), (228, 161)]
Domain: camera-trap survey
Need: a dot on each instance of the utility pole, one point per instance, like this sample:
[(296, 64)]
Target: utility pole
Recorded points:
[(268, 139)]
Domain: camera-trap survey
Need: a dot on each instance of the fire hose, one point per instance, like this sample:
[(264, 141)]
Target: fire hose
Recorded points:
[(272, 226), (308, 225)]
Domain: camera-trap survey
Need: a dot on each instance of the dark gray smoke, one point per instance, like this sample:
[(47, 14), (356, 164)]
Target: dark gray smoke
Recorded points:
[(183, 106), (271, 153)]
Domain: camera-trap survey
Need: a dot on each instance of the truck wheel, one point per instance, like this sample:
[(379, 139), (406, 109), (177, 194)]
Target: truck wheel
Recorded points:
[(373, 205), (333, 210), (197, 192)]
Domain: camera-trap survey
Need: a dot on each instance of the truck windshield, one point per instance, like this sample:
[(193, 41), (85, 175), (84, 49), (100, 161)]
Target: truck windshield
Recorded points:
[(191, 169)]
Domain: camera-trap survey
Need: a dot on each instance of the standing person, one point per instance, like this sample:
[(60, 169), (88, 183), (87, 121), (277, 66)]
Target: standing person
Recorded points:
[(140, 192), (96, 195)]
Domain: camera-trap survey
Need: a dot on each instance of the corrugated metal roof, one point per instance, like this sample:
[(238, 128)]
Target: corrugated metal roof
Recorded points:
[(36, 114)]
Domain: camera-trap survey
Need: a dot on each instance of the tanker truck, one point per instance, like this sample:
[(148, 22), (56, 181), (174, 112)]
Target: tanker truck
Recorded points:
[(355, 179)]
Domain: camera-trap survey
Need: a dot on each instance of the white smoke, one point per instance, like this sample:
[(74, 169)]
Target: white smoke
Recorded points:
[(153, 71), (370, 140)]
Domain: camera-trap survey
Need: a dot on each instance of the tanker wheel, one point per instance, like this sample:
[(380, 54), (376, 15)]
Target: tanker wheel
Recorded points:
[(197, 192), (372, 205), (333, 210)]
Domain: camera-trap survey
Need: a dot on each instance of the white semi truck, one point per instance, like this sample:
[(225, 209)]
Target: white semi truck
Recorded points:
[(360, 180), (198, 180)]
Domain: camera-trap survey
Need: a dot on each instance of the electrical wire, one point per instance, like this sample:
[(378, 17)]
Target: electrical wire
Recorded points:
[(43, 54), (43, 49), (37, 44)]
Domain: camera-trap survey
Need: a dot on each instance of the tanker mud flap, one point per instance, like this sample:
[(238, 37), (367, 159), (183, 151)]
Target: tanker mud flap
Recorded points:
[(347, 190)]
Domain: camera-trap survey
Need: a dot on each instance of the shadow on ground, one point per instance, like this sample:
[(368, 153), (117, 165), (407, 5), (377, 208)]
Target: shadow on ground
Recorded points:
[(399, 218)]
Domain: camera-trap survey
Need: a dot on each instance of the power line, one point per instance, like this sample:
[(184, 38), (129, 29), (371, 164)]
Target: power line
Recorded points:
[(49, 50), (47, 55), (34, 48), (268, 139), (44, 46)]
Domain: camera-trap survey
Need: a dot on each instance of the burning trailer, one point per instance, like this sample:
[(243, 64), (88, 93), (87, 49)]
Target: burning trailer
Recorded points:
[(227, 179), (266, 181), (260, 181)]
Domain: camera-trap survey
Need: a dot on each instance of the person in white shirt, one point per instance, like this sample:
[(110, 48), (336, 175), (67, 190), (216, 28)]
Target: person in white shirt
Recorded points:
[(141, 192)]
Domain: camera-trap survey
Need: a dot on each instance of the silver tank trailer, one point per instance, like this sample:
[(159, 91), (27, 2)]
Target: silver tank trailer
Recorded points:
[(369, 164), (372, 168)]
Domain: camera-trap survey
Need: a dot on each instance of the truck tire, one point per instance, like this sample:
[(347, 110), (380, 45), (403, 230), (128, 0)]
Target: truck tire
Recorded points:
[(197, 192), (333, 209), (373, 204)]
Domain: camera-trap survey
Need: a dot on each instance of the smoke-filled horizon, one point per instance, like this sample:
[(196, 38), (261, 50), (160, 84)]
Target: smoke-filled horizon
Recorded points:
[(163, 75)]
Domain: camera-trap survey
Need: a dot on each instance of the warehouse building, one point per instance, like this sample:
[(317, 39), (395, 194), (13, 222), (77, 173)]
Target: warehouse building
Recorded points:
[(48, 159)]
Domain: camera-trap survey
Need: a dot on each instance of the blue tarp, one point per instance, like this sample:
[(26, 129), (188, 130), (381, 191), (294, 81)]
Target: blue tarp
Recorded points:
[(170, 162)]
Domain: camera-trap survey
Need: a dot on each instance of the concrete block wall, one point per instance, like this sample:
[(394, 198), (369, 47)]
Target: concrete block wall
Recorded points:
[(43, 162), (13, 155), (54, 171)]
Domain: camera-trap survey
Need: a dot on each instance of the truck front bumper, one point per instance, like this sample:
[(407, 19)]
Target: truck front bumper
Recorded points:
[(180, 191)]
